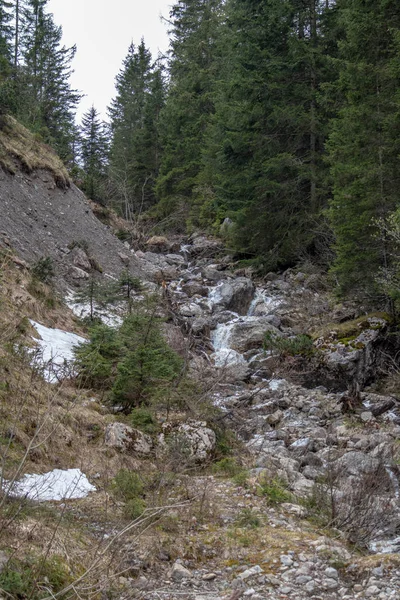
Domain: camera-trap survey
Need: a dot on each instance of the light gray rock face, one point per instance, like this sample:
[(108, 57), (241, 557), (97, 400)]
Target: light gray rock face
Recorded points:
[(359, 359), (126, 439), (194, 439), (235, 295), (80, 259), (249, 334), (356, 463), (202, 246), (179, 572)]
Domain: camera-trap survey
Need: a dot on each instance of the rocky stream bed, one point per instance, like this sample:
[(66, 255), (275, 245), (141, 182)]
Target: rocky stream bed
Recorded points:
[(296, 435)]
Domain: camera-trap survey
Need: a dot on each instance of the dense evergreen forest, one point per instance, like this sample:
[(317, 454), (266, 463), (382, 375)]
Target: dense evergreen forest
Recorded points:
[(278, 120)]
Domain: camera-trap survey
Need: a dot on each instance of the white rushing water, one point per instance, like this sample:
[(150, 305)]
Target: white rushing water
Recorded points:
[(224, 355), (264, 303)]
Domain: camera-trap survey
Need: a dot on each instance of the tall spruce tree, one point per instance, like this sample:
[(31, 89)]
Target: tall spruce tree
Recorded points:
[(94, 154), (7, 33), (365, 142), (190, 102), (48, 103), (134, 154), (265, 147)]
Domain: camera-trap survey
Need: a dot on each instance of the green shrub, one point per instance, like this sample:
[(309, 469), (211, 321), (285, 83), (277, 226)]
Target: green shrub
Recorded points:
[(134, 508), (275, 491), (247, 518), (31, 579), (128, 487), (143, 419), (133, 362), (298, 345), (228, 466), (43, 269)]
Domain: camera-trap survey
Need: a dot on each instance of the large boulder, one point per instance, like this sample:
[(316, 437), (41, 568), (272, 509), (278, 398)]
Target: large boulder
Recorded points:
[(235, 295), (202, 246), (126, 439), (249, 333), (354, 354), (356, 463), (195, 440), (80, 259)]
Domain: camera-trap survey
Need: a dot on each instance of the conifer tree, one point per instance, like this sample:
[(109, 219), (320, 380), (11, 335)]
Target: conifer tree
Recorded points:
[(94, 150), (190, 102), (365, 142), (6, 48), (264, 151), (48, 102), (134, 154)]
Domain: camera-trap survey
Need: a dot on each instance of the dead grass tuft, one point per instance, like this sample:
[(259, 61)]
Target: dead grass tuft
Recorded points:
[(16, 142)]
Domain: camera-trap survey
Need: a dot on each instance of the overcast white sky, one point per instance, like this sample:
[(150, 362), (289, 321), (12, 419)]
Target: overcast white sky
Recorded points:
[(102, 31)]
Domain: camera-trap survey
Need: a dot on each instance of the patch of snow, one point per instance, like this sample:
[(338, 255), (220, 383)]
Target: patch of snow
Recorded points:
[(71, 484), (82, 310), (57, 350)]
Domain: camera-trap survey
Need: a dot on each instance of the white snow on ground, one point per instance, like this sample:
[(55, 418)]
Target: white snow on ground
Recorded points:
[(82, 310), (55, 485), (56, 350)]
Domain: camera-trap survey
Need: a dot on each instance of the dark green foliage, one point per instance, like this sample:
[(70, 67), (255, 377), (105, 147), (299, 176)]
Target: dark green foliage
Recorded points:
[(94, 154), (135, 146), (147, 363), (144, 419), (190, 101), (365, 142), (275, 490), (128, 487), (96, 361), (32, 579), (43, 269), (298, 345), (34, 74), (133, 362), (263, 157)]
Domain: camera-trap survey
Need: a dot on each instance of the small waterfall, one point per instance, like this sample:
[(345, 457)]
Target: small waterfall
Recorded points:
[(224, 355), (268, 303)]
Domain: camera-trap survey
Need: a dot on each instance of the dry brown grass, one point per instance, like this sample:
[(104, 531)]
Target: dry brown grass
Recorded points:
[(16, 142)]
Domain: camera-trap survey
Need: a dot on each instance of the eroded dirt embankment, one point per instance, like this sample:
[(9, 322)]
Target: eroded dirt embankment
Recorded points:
[(39, 219)]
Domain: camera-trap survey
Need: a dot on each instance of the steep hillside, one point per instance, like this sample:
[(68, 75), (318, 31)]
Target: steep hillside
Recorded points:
[(44, 214)]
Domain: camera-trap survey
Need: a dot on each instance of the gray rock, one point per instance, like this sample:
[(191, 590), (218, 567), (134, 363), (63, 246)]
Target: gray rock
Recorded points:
[(80, 259), (126, 439), (124, 258), (235, 295), (196, 440), (190, 310), (77, 273), (192, 288), (355, 463), (250, 333), (256, 570), (367, 416), (179, 572)]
